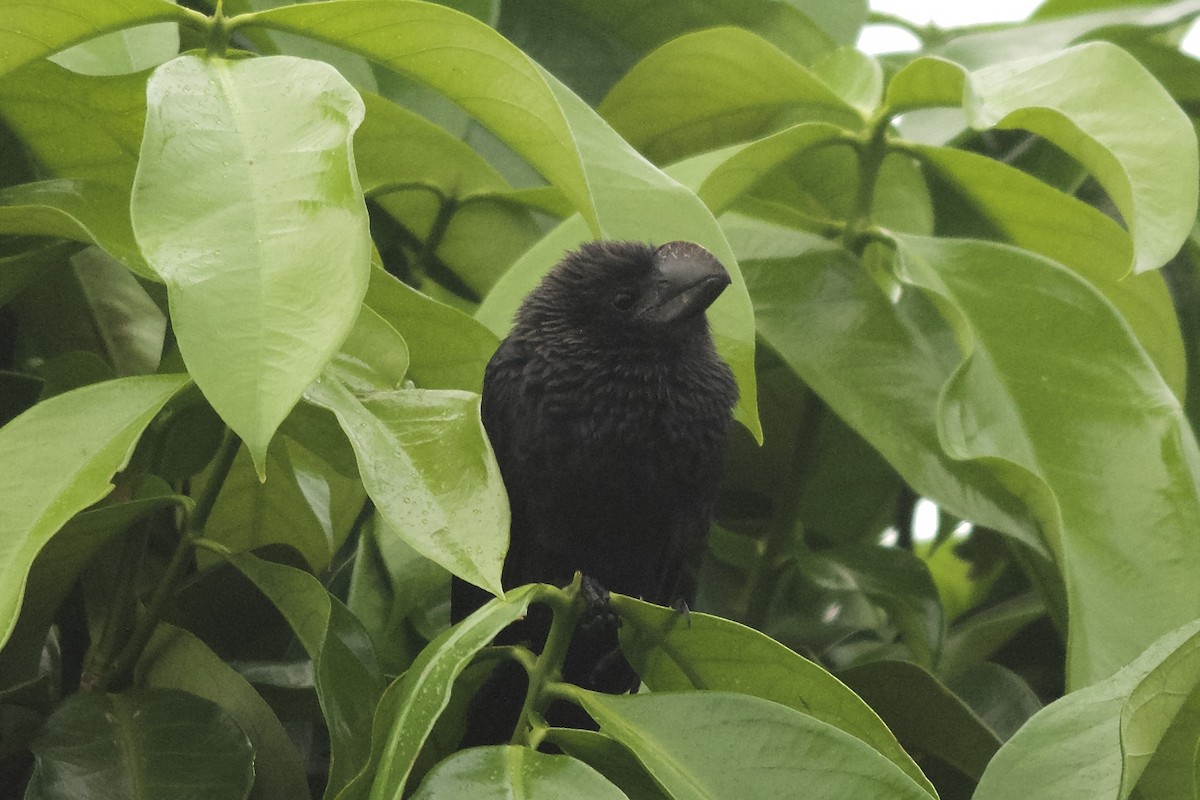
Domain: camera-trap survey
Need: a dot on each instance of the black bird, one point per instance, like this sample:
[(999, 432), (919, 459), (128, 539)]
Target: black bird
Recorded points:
[(608, 408)]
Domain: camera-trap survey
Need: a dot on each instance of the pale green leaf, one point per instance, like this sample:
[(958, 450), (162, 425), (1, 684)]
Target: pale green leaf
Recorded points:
[(256, 224), (1053, 384)]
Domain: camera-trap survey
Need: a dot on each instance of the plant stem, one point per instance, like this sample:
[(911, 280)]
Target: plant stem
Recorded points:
[(194, 527), (568, 605), (872, 149)]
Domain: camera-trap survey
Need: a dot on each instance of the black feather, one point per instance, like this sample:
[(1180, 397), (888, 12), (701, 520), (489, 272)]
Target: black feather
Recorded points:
[(608, 407)]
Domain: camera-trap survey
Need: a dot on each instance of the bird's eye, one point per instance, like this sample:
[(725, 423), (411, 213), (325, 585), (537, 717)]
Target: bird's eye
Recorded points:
[(622, 301)]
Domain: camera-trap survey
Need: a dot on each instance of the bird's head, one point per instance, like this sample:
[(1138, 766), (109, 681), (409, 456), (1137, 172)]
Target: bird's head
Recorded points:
[(620, 289)]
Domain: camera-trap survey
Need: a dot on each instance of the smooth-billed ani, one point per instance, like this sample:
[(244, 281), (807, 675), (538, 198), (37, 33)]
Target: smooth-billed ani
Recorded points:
[(608, 408)]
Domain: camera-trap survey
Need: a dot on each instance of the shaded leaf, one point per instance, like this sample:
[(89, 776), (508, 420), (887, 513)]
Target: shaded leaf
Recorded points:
[(345, 667), (175, 659), (147, 743)]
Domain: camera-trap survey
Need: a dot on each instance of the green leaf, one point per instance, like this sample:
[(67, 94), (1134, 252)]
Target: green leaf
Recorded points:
[(122, 51), (414, 701), (147, 743), (85, 211), (712, 88), (1042, 403), (555, 131), (306, 505), (1096, 118), (1097, 742), (34, 28), (1082, 238), (348, 680), (589, 46), (719, 744), (671, 653), (175, 659), (427, 465), (506, 772), (256, 224), (610, 758), (59, 565), (977, 637), (448, 349), (907, 697), (880, 366), (59, 458), (128, 322)]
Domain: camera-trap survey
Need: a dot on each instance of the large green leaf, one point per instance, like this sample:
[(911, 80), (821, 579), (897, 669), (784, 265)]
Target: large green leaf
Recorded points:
[(1096, 114), (175, 659), (589, 46), (256, 224), (879, 365), (143, 745), (1098, 743), (548, 125), (59, 457), (713, 88), (426, 463), (345, 667), (414, 701), (1045, 401), (706, 652), (703, 745), (33, 28), (1082, 238), (499, 773), (122, 51)]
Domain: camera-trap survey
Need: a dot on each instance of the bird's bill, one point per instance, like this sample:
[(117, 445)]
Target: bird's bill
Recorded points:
[(687, 279)]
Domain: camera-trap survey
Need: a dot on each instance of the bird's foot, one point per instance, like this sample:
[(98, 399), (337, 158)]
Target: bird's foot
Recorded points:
[(681, 607), (598, 613)]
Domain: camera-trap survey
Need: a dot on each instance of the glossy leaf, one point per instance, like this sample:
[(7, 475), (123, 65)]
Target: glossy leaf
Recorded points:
[(59, 458), (719, 744), (426, 463), (1047, 400), (506, 772), (1095, 118), (1096, 743), (256, 224), (543, 121), (1082, 238), (33, 29), (713, 88), (175, 659), (671, 654), (346, 670), (141, 745), (414, 701)]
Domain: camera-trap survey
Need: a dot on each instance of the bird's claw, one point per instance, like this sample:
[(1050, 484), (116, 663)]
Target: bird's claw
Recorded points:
[(681, 607), (598, 612)]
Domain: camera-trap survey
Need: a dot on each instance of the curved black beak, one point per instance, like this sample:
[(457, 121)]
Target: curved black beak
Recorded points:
[(686, 280)]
